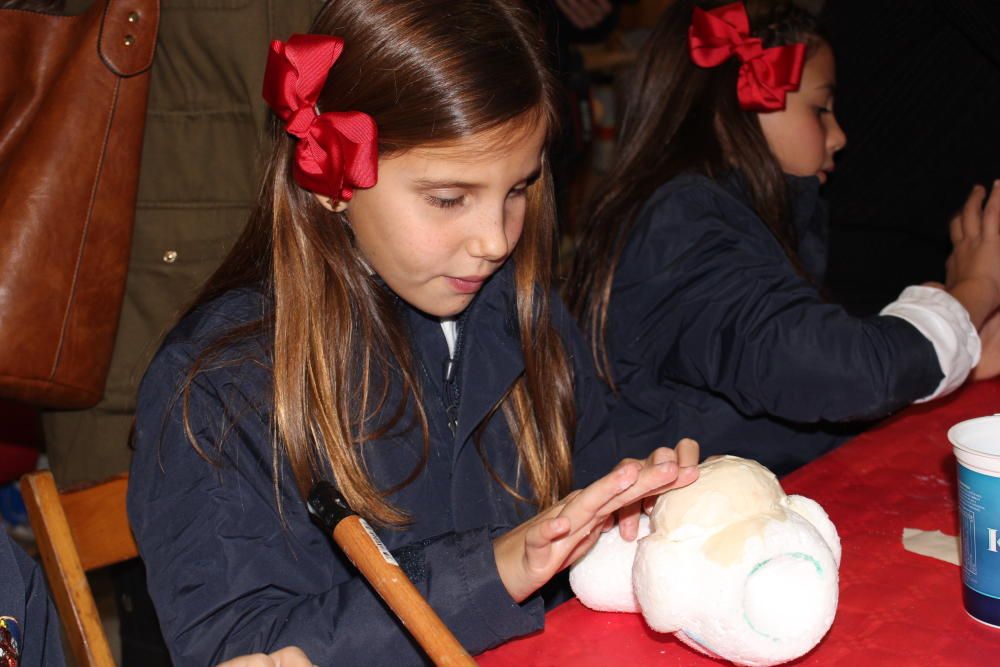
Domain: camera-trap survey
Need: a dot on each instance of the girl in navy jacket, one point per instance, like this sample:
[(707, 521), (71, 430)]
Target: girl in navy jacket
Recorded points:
[(385, 323), (697, 278)]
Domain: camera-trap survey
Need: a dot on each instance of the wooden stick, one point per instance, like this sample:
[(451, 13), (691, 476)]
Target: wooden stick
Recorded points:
[(363, 547), (67, 580)]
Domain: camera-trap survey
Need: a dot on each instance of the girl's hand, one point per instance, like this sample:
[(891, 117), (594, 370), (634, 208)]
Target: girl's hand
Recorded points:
[(290, 656), (529, 555), (973, 268), (686, 457)]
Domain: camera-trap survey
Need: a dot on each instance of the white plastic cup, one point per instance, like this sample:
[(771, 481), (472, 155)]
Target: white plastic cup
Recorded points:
[(977, 447)]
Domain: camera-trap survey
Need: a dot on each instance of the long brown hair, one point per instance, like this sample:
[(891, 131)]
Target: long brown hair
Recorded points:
[(680, 118), (428, 72)]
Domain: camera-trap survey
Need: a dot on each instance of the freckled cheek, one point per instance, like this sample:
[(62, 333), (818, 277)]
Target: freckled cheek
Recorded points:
[(514, 233), (514, 226)]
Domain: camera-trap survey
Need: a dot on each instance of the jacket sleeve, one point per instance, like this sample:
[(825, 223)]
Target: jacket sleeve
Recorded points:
[(231, 575), (713, 303)]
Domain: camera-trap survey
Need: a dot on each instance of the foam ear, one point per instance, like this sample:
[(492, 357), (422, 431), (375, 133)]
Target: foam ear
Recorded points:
[(602, 579), (790, 594), (765, 604), (811, 511)]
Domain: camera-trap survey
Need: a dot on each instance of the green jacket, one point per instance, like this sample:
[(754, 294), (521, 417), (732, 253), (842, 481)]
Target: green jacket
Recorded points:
[(204, 128)]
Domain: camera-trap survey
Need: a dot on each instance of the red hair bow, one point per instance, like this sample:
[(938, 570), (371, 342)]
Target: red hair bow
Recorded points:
[(337, 151), (765, 75)]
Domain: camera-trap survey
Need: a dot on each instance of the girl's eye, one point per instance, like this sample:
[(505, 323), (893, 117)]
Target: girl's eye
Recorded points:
[(441, 202), (522, 190)]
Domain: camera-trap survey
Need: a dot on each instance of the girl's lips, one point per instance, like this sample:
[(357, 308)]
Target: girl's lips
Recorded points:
[(466, 284)]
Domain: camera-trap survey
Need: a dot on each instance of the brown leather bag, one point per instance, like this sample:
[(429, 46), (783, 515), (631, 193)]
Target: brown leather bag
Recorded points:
[(72, 110)]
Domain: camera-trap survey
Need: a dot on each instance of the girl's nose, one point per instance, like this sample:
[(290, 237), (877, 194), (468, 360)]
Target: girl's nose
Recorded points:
[(836, 138), (489, 238)]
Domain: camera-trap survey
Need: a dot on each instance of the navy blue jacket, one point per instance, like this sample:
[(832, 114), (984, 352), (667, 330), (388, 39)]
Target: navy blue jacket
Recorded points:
[(29, 627), (228, 578), (713, 335)]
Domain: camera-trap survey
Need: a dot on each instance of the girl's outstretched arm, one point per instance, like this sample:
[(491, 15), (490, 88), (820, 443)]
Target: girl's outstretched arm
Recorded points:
[(704, 297), (532, 553)]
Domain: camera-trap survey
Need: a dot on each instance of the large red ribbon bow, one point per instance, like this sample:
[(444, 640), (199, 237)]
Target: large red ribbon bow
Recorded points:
[(766, 75), (337, 151)]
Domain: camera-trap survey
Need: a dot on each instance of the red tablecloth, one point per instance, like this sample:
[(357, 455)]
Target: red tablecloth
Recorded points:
[(896, 607)]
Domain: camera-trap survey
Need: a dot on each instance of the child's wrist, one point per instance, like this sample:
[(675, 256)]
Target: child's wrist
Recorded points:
[(507, 558), (979, 295)]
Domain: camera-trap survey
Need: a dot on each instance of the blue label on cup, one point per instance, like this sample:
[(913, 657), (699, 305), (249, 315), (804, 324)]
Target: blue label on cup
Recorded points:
[(979, 518)]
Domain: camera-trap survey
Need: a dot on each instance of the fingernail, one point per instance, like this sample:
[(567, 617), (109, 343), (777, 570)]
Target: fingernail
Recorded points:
[(666, 465)]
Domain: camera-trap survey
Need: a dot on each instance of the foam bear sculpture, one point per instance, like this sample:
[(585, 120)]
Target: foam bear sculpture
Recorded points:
[(731, 565)]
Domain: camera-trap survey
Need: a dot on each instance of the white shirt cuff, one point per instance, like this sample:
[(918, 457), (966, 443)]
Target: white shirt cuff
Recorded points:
[(945, 323)]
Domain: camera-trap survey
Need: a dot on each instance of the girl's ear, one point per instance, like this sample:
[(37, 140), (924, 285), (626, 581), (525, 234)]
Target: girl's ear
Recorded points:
[(336, 206)]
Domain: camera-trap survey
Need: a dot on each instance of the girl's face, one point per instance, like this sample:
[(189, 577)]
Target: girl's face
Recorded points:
[(805, 135), (443, 219)]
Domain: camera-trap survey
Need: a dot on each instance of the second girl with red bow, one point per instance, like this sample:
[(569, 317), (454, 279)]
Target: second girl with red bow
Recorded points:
[(697, 278)]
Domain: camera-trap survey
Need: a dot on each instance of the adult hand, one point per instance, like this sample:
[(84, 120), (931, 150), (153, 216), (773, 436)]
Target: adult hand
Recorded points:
[(530, 554), (585, 13), (290, 656)]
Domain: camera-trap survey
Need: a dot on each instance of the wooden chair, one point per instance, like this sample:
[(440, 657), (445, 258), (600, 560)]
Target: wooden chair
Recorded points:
[(79, 530)]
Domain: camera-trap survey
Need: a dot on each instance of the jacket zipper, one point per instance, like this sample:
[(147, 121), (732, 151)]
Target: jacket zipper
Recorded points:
[(452, 391)]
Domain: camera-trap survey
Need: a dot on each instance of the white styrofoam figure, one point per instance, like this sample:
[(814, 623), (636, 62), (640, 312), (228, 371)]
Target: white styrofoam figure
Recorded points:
[(734, 567), (603, 578)]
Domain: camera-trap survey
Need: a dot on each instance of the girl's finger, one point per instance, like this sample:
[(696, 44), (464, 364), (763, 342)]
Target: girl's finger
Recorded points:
[(685, 476), (589, 501), (587, 509), (538, 541), (291, 656), (652, 480), (661, 455), (687, 452), (972, 212), (548, 531), (955, 230), (628, 521), (991, 214), (625, 462), (682, 478)]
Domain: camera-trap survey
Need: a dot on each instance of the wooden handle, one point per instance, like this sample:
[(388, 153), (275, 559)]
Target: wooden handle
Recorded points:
[(388, 579)]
